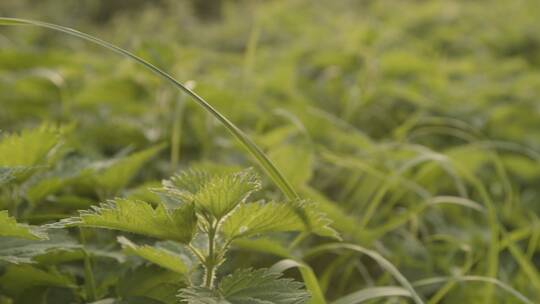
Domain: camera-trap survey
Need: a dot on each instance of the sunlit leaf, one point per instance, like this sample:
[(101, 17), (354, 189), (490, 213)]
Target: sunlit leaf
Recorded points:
[(10, 227), (257, 218), (139, 217), (249, 286), (160, 256), (214, 194)]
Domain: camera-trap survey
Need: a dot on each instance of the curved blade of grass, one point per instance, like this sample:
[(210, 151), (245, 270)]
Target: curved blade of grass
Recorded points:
[(425, 156), (252, 148), (373, 293), (384, 263), (494, 227), (528, 267), (401, 219), (505, 287), (363, 166), (526, 264), (310, 279), (441, 293)]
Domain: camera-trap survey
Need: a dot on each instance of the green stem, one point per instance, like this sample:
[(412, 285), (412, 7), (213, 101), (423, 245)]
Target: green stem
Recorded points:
[(210, 263), (298, 239), (90, 282), (176, 133), (197, 253)]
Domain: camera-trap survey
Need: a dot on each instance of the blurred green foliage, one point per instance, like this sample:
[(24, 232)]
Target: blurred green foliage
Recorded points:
[(377, 110)]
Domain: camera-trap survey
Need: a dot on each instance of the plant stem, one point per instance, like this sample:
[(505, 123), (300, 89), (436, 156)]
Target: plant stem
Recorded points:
[(91, 293), (209, 278), (197, 253), (298, 239), (210, 263), (176, 134)]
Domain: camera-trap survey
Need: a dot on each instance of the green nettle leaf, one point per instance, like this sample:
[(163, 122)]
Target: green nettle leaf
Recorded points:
[(247, 286), (139, 217), (263, 245), (222, 194), (10, 228), (190, 181), (150, 284), (160, 256), (117, 176), (17, 251), (181, 187), (54, 179), (296, 162), (201, 295), (30, 148), (145, 192), (216, 194), (43, 188), (257, 218), (18, 278), (22, 155)]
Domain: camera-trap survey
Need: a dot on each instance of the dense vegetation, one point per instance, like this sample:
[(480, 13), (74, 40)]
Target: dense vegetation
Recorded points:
[(403, 139)]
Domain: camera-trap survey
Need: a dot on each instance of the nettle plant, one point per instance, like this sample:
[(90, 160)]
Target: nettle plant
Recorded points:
[(206, 212)]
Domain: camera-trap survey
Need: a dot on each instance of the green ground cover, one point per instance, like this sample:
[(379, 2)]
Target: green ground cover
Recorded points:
[(413, 127)]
